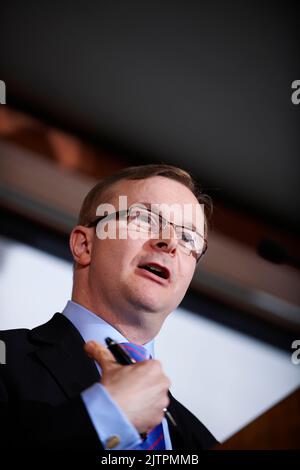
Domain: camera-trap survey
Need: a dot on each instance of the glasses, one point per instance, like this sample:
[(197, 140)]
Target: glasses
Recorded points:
[(139, 218)]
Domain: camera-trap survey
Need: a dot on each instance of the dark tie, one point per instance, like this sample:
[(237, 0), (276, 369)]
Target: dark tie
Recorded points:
[(155, 438)]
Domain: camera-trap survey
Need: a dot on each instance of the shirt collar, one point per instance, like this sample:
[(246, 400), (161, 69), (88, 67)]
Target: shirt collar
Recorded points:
[(93, 327)]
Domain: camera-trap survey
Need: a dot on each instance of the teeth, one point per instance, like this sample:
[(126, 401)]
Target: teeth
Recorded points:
[(154, 268)]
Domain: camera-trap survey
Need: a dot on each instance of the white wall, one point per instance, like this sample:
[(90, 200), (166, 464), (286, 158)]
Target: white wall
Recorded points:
[(33, 285), (223, 376), (226, 378)]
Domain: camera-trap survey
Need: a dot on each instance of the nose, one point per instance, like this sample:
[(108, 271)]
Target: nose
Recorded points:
[(166, 241)]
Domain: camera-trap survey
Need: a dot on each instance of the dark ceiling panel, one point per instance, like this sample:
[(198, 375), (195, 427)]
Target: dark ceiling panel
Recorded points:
[(204, 86)]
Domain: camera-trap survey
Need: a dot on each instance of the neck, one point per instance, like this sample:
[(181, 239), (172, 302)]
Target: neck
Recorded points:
[(135, 334), (136, 327)]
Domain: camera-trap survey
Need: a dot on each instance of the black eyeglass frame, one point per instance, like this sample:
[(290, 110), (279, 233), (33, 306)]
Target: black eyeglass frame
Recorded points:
[(119, 214)]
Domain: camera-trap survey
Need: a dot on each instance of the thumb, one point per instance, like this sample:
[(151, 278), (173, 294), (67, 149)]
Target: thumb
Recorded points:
[(100, 354)]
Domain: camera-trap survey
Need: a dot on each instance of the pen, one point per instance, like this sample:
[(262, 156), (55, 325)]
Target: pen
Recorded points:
[(122, 357)]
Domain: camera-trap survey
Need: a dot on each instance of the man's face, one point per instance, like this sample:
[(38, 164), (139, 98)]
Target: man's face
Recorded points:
[(116, 279)]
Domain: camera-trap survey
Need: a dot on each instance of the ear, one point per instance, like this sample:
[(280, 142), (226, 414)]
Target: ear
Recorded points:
[(81, 240)]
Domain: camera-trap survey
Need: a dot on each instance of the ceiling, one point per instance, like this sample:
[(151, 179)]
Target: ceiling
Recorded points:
[(205, 86)]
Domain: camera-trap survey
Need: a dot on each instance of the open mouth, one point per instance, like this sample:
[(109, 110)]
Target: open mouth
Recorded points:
[(154, 268)]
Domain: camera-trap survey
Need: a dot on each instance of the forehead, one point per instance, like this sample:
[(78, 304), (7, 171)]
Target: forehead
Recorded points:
[(156, 189), (167, 193)]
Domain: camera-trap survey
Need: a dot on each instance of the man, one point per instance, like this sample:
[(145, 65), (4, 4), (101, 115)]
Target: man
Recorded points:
[(132, 268)]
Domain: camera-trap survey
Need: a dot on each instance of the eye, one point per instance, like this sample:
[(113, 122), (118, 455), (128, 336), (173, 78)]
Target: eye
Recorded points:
[(144, 217), (188, 238), (136, 216)]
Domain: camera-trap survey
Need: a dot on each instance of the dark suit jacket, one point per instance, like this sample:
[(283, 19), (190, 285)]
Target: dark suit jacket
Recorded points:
[(46, 370)]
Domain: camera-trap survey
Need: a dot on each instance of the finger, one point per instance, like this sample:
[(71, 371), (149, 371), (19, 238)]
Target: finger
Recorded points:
[(100, 354)]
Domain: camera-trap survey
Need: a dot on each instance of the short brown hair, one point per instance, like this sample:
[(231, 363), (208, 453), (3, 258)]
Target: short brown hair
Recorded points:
[(101, 193)]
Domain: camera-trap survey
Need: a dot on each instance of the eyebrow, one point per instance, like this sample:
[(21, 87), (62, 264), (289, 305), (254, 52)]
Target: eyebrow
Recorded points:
[(148, 205)]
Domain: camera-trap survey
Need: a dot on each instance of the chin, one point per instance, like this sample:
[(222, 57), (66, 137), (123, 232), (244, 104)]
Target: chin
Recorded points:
[(148, 299), (147, 305), (150, 306)]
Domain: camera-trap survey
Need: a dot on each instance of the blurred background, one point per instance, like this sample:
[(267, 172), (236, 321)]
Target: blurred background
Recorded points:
[(92, 87)]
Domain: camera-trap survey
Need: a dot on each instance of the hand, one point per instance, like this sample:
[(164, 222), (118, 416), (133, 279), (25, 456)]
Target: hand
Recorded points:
[(140, 390)]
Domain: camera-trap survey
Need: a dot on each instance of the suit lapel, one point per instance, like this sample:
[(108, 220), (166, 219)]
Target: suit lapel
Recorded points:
[(180, 435), (59, 347)]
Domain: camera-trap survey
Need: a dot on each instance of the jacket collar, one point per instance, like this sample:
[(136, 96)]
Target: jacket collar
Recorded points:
[(59, 346)]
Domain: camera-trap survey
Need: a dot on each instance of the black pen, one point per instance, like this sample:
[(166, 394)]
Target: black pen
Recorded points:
[(122, 357)]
